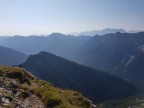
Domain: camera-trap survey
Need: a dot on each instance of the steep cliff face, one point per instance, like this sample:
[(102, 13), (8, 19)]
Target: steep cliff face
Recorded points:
[(19, 88)]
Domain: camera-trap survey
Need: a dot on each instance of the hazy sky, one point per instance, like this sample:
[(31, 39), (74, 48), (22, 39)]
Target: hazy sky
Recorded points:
[(27, 17)]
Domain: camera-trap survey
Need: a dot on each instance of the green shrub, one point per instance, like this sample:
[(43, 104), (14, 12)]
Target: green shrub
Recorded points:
[(10, 106), (52, 103), (17, 73)]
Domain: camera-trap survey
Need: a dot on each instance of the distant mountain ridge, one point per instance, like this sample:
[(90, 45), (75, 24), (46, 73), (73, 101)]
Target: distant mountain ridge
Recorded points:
[(112, 52), (116, 53), (56, 43), (99, 32), (11, 57), (96, 85), (121, 54)]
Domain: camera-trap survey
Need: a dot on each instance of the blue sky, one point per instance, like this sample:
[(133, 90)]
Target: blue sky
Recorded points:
[(27, 17)]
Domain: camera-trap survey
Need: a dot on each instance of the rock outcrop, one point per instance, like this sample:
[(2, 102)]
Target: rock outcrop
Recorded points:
[(20, 89)]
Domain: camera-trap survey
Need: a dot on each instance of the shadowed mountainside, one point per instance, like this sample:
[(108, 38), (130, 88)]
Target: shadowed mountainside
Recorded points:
[(96, 85), (11, 57), (111, 52)]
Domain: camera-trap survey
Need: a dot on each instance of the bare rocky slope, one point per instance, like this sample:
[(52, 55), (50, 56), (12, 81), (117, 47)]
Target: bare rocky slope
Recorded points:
[(20, 89)]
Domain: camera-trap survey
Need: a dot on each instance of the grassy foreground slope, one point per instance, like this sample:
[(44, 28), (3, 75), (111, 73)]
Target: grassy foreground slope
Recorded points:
[(19, 88)]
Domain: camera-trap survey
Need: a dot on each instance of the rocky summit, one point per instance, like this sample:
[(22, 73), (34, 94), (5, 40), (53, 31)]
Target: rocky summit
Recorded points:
[(20, 89)]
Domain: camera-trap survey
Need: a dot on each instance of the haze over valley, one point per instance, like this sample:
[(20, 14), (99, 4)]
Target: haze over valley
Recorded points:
[(72, 54)]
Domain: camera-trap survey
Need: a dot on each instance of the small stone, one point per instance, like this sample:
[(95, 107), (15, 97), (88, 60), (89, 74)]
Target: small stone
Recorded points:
[(5, 101)]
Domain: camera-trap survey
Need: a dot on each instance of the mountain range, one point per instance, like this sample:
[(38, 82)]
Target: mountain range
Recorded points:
[(113, 53), (96, 85), (102, 67), (56, 43), (110, 52), (99, 32)]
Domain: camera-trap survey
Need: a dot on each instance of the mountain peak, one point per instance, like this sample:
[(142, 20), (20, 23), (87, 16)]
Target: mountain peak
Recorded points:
[(57, 34), (67, 74)]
